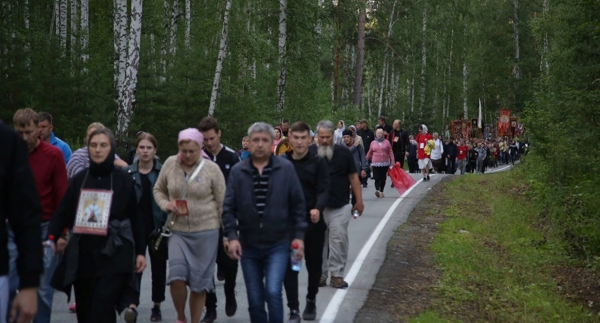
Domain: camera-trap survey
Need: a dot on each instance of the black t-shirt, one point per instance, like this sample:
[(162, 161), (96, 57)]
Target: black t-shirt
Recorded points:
[(145, 203), (387, 128), (340, 166), (226, 158)]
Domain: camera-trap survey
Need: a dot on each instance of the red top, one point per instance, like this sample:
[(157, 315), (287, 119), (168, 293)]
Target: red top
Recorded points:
[(462, 152), (421, 140), (48, 166)]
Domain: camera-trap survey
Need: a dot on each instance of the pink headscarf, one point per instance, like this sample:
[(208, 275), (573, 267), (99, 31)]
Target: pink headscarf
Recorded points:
[(194, 135)]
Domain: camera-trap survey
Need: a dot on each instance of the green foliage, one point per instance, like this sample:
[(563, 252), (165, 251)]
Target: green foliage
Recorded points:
[(563, 123)]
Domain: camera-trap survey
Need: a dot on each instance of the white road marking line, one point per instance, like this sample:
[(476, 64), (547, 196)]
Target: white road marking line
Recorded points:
[(499, 169), (336, 301)]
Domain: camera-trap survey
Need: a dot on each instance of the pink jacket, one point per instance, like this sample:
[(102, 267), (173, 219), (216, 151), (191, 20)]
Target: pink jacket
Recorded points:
[(381, 153)]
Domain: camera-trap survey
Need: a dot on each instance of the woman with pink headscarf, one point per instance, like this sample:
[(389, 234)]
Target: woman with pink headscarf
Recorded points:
[(192, 189)]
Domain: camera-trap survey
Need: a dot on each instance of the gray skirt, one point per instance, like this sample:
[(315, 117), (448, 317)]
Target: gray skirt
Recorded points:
[(192, 257)]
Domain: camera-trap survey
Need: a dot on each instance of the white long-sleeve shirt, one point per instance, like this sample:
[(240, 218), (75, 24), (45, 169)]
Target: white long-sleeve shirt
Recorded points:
[(438, 151)]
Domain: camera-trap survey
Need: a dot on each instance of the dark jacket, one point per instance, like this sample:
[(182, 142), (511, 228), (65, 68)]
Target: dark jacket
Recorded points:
[(367, 136), (160, 217), (360, 159), (401, 146), (412, 150), (91, 261), (20, 205), (451, 150), (314, 177), (285, 208)]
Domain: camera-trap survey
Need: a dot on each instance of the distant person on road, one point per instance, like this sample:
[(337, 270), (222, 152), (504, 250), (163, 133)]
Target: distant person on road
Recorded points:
[(46, 129), (462, 156), (400, 142), (413, 165), (367, 136), (382, 124), (192, 189), (436, 154), (264, 215), (285, 127), (337, 214), (382, 157), (424, 161), (314, 178), (358, 153), (21, 210), (244, 153), (338, 133)]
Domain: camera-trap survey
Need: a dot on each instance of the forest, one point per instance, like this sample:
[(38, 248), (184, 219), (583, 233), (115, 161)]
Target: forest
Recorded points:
[(160, 66)]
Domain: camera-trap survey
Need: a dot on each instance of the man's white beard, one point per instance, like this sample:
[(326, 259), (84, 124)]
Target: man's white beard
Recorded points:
[(325, 151)]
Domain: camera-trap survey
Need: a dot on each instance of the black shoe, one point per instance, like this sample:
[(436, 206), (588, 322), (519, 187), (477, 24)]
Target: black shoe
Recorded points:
[(428, 178), (130, 315), (156, 315), (210, 316), (310, 311), (323, 282), (230, 304), (295, 317), (392, 186), (220, 275)]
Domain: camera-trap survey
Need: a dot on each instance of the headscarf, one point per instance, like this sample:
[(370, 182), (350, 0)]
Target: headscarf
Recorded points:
[(106, 167), (194, 135), (353, 128), (424, 128)]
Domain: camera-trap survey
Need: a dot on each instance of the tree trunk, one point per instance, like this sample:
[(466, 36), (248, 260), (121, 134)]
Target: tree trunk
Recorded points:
[(174, 22), (412, 94), (423, 62), (465, 91), (133, 59), (188, 22), (282, 55), (61, 24), (84, 31), (74, 28), (517, 69), (449, 74), (120, 34), (220, 59), (382, 84), (545, 61), (165, 40), (358, 88)]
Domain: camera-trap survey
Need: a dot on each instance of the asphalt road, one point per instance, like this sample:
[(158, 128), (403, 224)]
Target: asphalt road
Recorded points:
[(340, 305)]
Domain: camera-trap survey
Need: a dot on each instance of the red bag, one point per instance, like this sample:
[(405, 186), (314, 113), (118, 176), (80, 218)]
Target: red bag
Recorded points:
[(402, 180)]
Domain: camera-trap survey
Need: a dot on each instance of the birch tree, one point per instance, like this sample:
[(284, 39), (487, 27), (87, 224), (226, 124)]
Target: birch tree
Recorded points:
[(220, 59), (188, 22), (282, 45), (84, 31), (385, 57), (517, 69), (465, 91), (165, 41), (130, 84), (423, 61), (358, 88), (120, 44), (74, 28)]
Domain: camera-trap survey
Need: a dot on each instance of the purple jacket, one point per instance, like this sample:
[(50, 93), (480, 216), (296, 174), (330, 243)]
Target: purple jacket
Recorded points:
[(381, 153)]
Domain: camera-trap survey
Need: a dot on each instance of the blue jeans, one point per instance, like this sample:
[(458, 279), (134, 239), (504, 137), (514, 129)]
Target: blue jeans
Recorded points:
[(45, 291), (268, 264)]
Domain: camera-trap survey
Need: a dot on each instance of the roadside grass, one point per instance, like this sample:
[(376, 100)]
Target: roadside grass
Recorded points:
[(495, 259)]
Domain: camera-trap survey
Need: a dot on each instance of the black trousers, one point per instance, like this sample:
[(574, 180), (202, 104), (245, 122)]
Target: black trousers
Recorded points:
[(413, 164), (380, 174), (158, 266), (97, 298), (229, 268), (399, 158), (314, 240), (451, 168), (471, 166)]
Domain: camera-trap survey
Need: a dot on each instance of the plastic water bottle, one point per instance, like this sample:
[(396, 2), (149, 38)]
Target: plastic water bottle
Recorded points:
[(355, 214), (296, 264), (48, 251)]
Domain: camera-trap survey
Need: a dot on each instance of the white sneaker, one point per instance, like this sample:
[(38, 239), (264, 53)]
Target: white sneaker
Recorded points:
[(378, 193)]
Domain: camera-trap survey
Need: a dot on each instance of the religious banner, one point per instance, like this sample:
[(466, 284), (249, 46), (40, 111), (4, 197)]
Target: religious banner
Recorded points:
[(519, 129), (93, 212), (504, 123)]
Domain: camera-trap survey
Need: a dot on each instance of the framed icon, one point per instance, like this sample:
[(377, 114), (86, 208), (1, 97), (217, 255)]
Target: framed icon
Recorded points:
[(93, 212)]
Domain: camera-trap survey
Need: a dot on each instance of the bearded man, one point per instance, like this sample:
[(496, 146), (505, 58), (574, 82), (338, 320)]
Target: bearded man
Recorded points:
[(337, 213)]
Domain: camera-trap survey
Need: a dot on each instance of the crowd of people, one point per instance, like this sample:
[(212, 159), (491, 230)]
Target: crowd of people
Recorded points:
[(84, 222)]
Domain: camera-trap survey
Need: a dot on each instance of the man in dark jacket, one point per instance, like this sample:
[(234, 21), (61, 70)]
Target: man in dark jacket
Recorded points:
[(314, 177), (20, 206), (399, 140), (265, 203), (451, 151), (367, 136)]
